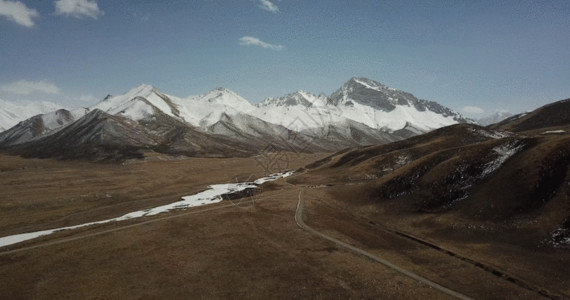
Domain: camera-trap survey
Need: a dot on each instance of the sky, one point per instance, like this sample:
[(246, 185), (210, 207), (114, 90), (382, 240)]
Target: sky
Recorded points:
[(476, 57)]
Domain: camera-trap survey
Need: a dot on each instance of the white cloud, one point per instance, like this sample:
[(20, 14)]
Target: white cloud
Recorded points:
[(18, 12), (268, 6), (253, 41), (473, 110), (78, 8), (25, 87)]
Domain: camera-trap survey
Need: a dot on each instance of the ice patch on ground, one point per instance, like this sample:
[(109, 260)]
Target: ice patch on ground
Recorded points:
[(554, 132), (212, 195)]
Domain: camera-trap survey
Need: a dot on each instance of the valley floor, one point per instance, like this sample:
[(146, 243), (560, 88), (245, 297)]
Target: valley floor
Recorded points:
[(250, 247)]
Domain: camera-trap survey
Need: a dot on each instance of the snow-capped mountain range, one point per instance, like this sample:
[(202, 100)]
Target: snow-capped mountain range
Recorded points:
[(12, 113), (222, 123)]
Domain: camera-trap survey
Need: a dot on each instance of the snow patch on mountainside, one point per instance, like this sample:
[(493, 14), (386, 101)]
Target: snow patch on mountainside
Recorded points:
[(503, 153), (395, 119), (136, 109)]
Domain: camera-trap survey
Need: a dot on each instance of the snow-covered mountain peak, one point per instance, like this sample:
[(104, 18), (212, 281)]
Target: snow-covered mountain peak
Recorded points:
[(379, 106), (225, 97), (298, 98), (367, 83), (143, 90), (355, 84), (223, 90), (371, 93), (138, 103)]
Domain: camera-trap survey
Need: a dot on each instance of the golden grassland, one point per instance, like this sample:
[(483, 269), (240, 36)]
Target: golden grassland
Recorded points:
[(242, 248)]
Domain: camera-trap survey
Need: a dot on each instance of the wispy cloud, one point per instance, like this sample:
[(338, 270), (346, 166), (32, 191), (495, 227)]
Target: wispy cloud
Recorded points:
[(78, 8), (18, 12), (268, 6), (25, 87), (253, 41), (473, 110)]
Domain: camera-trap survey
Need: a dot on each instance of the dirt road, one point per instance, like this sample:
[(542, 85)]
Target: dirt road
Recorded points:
[(340, 244)]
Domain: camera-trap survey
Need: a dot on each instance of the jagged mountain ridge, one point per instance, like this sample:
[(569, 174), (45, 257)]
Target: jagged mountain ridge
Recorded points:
[(299, 121)]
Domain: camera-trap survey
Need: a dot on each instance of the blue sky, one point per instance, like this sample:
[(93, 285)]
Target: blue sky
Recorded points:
[(486, 55)]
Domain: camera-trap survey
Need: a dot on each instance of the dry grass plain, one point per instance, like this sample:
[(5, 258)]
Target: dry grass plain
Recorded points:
[(251, 248), (245, 248), (39, 194)]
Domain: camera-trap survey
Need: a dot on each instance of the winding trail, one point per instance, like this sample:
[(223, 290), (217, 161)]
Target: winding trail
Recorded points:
[(358, 251)]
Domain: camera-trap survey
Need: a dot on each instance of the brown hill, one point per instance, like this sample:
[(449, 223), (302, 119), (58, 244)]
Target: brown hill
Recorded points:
[(500, 200), (552, 115), (463, 169)]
